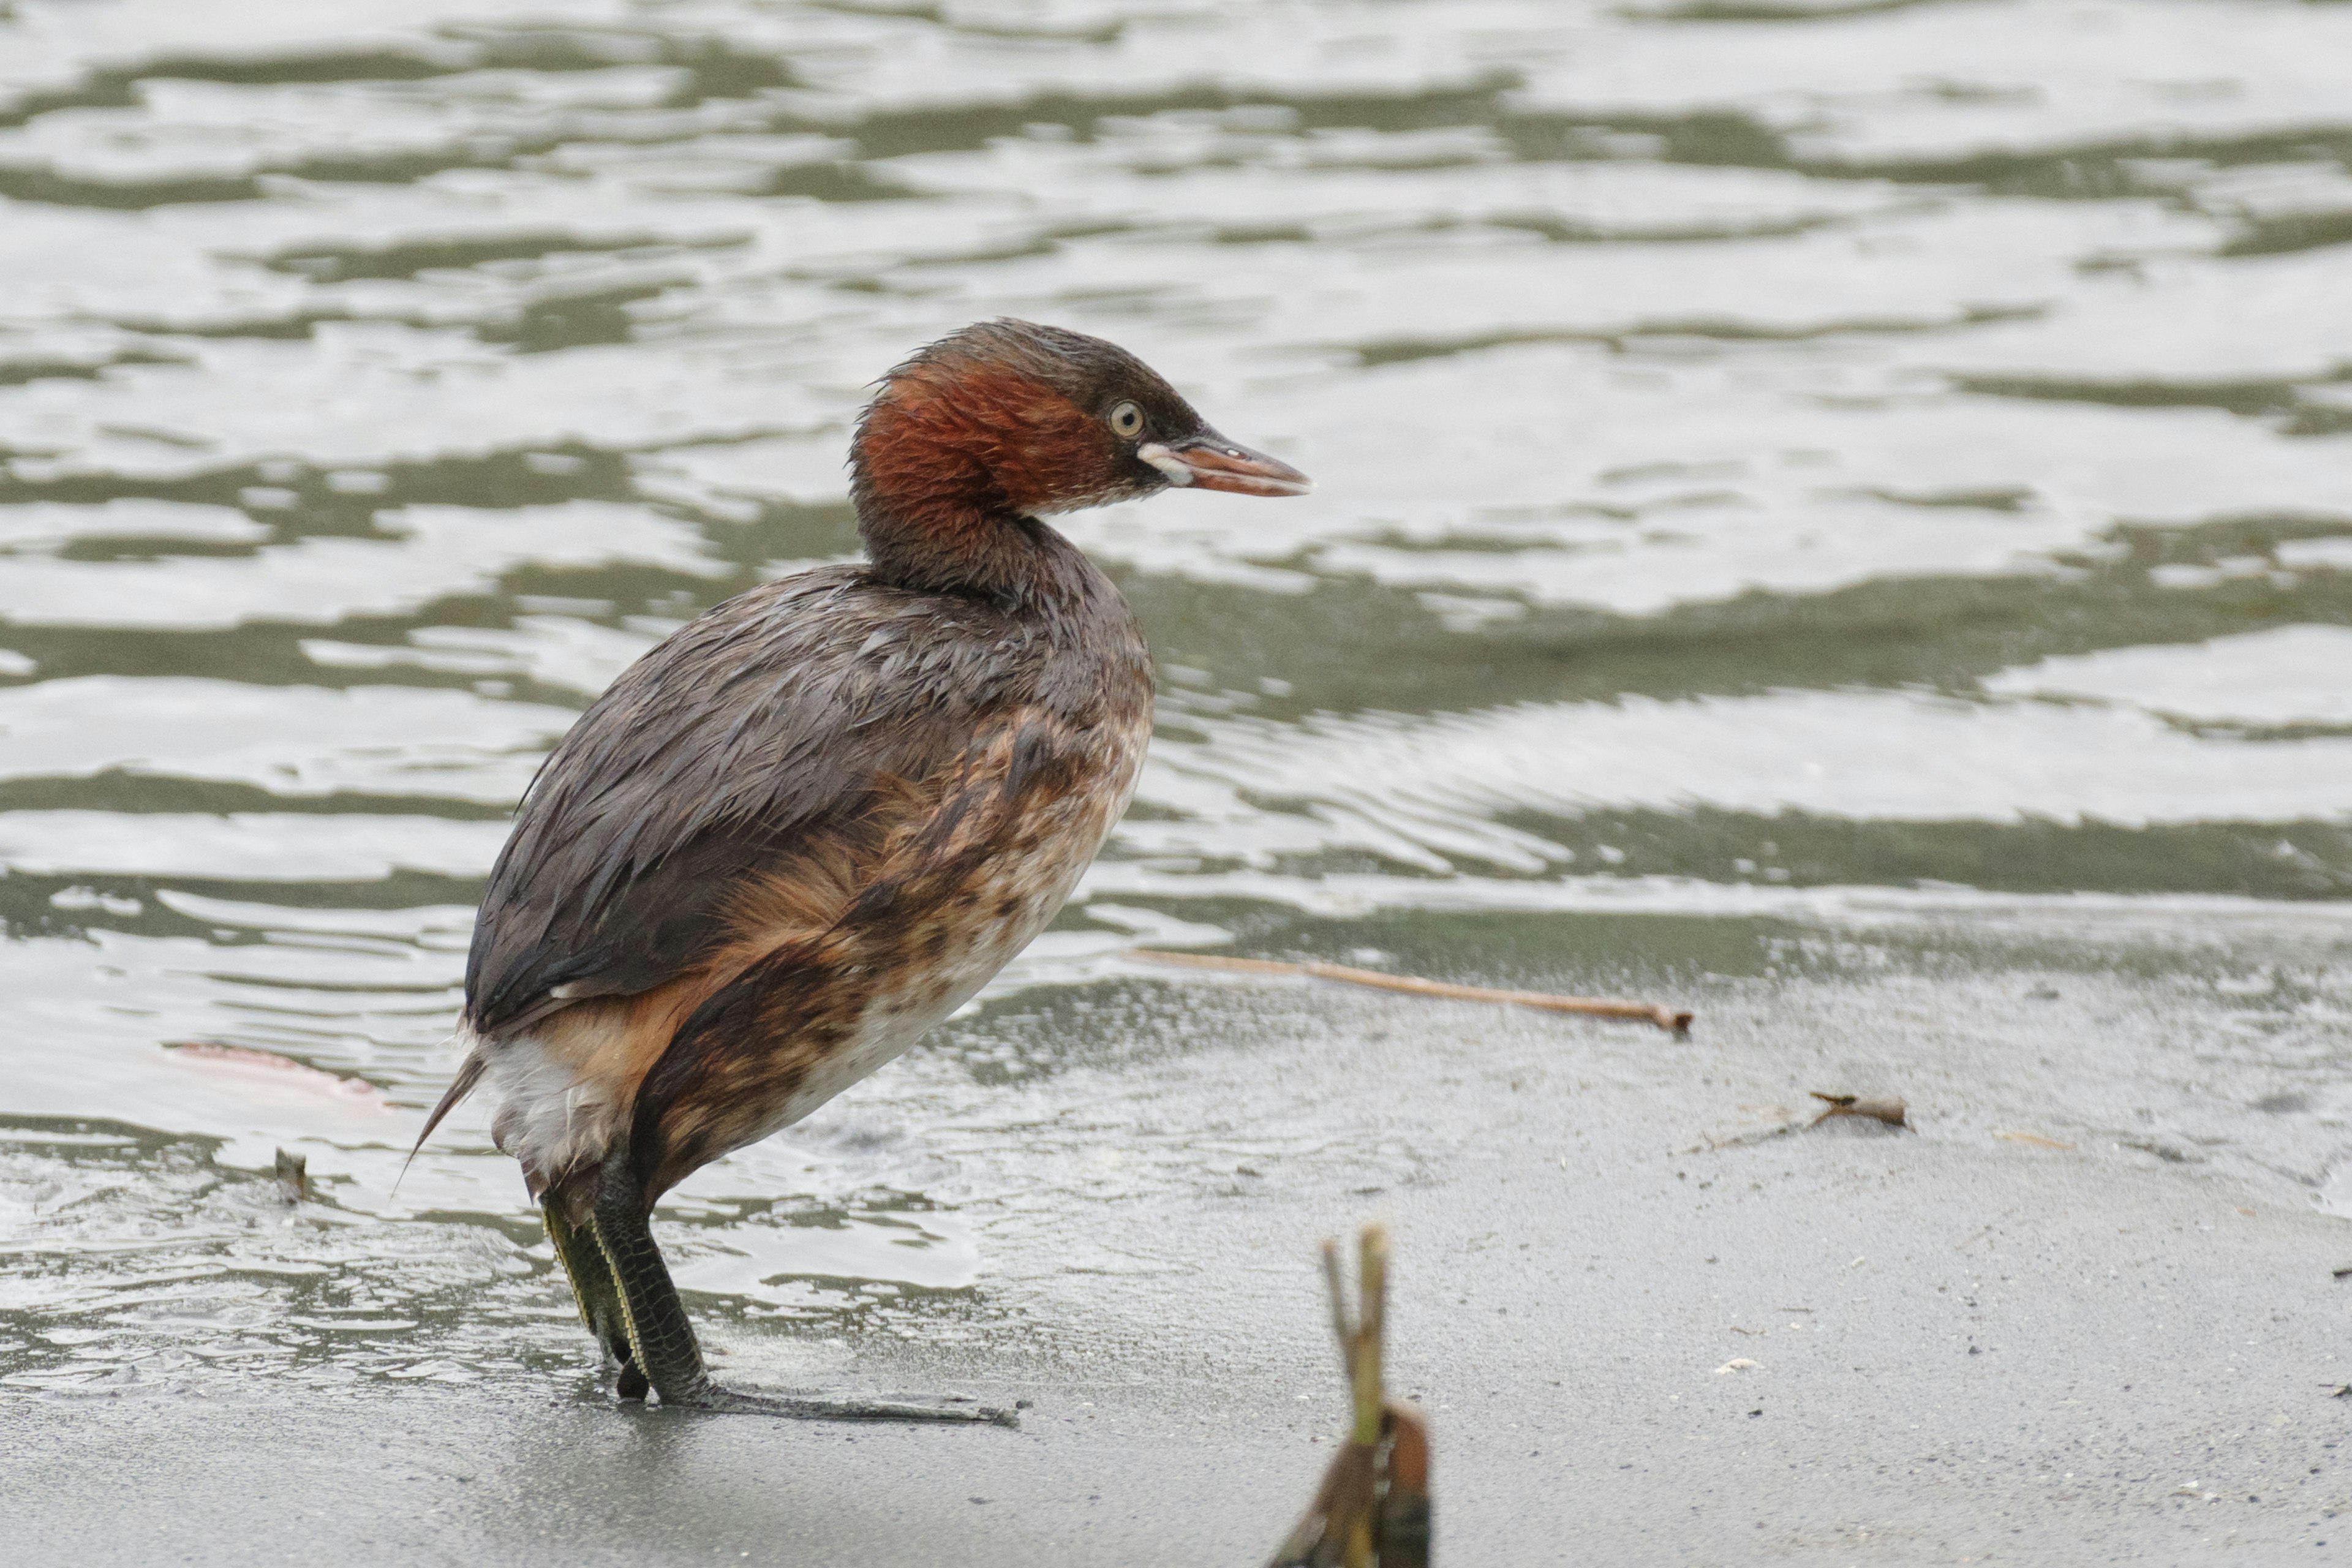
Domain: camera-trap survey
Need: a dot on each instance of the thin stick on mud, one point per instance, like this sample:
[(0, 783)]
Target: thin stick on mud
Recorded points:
[(1888, 1109), (1884, 1107), (1667, 1018)]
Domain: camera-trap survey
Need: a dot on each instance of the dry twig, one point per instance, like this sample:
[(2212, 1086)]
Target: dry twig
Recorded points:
[(1886, 1108), (1663, 1017)]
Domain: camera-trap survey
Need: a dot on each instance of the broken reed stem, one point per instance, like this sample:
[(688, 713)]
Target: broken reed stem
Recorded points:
[(1664, 1017), (1371, 1510), (1337, 1287), (1371, 1321)]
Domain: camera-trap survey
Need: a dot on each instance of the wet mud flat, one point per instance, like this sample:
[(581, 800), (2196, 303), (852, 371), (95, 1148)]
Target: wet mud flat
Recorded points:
[(2082, 1310)]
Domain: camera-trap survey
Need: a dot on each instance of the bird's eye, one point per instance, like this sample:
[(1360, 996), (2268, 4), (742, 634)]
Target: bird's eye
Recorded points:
[(1127, 421)]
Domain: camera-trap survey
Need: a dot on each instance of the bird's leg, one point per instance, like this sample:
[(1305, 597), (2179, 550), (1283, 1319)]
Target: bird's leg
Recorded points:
[(661, 1342), (598, 1295)]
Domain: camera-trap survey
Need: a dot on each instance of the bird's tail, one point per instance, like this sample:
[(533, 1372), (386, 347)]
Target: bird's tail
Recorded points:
[(469, 1075)]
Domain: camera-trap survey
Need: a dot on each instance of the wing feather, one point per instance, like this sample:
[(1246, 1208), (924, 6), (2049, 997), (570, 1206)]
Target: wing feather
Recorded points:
[(707, 762)]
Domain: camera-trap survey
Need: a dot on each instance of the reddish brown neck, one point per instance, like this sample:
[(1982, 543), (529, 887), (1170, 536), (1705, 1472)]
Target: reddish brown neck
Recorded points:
[(946, 502)]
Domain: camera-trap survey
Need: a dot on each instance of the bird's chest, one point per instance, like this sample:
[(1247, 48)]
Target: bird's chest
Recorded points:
[(968, 902)]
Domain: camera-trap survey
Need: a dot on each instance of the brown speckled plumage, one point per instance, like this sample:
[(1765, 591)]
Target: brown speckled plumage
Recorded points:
[(811, 823), (815, 799)]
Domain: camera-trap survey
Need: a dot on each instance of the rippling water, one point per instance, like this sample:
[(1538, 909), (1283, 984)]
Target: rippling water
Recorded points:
[(1878, 471)]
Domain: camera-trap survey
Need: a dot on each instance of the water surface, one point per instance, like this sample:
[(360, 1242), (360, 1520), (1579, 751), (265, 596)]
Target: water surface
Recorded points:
[(1841, 490)]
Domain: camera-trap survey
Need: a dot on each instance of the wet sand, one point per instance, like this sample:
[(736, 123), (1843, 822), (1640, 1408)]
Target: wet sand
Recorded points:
[(1967, 1347)]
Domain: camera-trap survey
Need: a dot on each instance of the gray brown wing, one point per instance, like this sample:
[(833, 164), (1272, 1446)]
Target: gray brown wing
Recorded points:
[(746, 732)]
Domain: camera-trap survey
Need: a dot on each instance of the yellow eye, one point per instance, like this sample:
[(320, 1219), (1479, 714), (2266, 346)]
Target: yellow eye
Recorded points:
[(1127, 421)]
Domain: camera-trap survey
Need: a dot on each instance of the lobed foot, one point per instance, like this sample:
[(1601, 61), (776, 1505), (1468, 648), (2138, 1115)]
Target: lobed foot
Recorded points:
[(631, 1303), (819, 1407)]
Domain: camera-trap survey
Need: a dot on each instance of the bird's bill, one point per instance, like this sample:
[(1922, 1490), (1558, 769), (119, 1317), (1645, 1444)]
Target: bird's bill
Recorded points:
[(1209, 462)]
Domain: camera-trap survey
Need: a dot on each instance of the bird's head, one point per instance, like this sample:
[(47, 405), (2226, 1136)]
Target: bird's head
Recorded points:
[(1006, 420)]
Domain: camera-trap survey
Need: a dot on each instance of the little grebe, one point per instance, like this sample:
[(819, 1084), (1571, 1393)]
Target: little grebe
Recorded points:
[(812, 822)]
